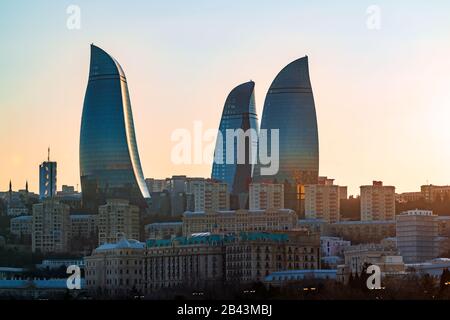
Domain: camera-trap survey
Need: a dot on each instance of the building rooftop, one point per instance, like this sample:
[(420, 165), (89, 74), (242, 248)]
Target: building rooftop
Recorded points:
[(123, 244), (157, 224), (12, 270), (203, 238), (192, 240), (22, 218), (232, 212), (306, 221), (365, 222), (301, 274)]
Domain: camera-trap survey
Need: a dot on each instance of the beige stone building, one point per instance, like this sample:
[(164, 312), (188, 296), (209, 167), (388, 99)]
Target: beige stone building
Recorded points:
[(192, 262), (50, 227), (208, 195), (377, 202), (264, 196), (116, 270), (117, 219), (408, 196), (253, 256), (431, 192), (322, 201), (130, 267), (223, 222)]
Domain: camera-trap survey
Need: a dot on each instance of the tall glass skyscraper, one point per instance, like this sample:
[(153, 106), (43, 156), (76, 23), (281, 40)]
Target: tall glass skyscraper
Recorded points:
[(289, 107), (239, 112), (109, 160)]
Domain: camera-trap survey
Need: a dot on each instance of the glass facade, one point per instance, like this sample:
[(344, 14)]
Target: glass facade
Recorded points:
[(239, 112), (109, 159), (289, 107), (47, 180)]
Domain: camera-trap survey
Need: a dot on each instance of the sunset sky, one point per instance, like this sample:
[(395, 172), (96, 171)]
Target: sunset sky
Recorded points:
[(382, 96)]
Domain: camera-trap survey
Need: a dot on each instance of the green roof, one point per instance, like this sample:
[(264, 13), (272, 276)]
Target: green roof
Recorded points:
[(216, 239)]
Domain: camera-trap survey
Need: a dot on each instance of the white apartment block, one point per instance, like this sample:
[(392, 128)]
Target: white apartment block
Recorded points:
[(323, 201), (377, 202), (50, 227), (209, 195), (417, 235), (117, 219), (266, 196)]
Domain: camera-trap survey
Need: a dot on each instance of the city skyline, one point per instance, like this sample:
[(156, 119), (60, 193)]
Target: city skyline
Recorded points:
[(400, 133)]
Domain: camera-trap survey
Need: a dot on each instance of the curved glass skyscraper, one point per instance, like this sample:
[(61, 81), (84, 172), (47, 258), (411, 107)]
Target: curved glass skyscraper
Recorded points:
[(109, 159), (239, 112), (289, 107)]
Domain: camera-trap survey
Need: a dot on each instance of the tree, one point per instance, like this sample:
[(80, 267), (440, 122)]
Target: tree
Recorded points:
[(445, 280)]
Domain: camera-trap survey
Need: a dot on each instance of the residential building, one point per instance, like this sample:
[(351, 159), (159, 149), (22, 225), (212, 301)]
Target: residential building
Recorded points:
[(409, 197), (117, 219), (432, 193), (209, 195), (377, 202), (83, 225), (50, 227), (322, 201), (362, 231), (22, 226), (265, 196)]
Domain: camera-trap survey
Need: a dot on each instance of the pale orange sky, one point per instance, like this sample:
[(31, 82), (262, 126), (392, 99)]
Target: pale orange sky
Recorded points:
[(382, 97)]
